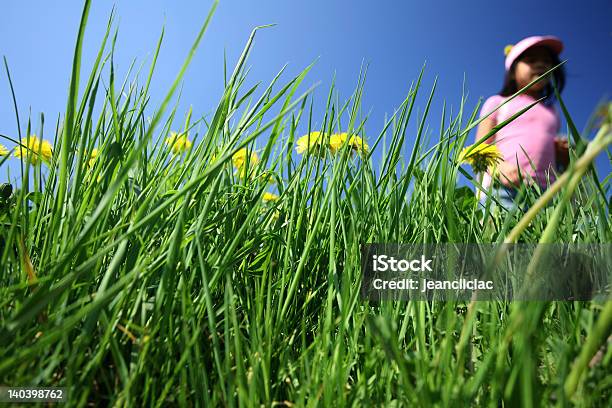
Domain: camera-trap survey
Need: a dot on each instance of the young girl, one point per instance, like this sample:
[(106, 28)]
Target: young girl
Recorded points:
[(529, 144)]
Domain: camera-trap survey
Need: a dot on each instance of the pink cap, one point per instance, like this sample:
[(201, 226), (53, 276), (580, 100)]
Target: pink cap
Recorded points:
[(549, 41)]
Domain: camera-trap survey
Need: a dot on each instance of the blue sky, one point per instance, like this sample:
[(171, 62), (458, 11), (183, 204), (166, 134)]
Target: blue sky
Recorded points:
[(456, 40)]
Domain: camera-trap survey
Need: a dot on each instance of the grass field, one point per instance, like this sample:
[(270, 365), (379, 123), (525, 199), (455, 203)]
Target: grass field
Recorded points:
[(157, 272)]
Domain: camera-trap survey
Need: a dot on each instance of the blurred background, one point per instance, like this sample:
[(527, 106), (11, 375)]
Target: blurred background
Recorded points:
[(460, 43)]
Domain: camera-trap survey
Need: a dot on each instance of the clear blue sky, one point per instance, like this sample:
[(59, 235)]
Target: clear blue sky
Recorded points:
[(455, 39)]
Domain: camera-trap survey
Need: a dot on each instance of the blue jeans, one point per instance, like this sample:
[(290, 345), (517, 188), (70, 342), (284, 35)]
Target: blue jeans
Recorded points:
[(506, 196)]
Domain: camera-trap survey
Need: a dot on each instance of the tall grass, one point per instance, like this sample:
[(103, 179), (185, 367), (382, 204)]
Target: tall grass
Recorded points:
[(151, 278)]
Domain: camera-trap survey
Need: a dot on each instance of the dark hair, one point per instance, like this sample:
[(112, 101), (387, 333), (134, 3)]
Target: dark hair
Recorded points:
[(558, 76)]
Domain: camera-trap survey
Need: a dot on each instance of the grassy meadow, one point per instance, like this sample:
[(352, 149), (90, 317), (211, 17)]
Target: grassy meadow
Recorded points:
[(151, 257)]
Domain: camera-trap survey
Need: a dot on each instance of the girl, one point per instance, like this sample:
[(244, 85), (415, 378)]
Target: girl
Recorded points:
[(529, 144)]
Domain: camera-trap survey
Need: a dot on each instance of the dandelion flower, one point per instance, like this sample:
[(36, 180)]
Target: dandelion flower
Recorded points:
[(314, 140), (480, 157), (33, 149), (239, 160), (309, 143), (267, 177), (3, 151), (93, 156), (179, 142), (358, 144), (214, 157), (336, 141), (275, 216), (267, 197)]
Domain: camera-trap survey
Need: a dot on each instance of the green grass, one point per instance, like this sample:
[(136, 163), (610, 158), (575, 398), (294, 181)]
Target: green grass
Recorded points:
[(153, 279)]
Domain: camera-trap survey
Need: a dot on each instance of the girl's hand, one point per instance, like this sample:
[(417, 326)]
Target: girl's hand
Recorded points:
[(562, 152), (508, 174)]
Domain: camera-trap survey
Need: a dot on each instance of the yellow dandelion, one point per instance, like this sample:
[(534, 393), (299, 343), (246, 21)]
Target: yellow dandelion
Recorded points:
[(480, 157), (179, 142), (336, 141), (34, 150), (214, 157), (358, 144), (267, 197), (3, 151), (239, 160), (309, 143), (93, 156), (267, 177)]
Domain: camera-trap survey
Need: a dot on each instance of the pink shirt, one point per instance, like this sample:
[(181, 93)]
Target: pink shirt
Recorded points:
[(533, 133)]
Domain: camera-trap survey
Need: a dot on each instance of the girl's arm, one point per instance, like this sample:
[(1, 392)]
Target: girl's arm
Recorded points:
[(507, 172), (485, 127), (562, 152), (561, 147)]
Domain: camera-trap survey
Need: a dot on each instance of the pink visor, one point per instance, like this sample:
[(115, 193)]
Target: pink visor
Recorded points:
[(549, 41)]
